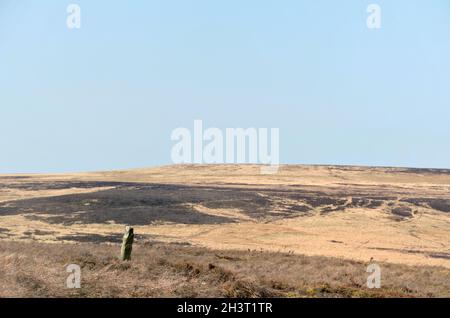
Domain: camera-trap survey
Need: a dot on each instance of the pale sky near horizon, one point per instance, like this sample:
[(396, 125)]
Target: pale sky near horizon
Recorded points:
[(108, 95)]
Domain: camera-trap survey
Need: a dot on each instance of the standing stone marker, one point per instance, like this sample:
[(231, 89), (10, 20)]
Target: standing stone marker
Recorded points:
[(127, 244)]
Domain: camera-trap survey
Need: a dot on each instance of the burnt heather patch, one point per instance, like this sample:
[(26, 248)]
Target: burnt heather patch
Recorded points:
[(142, 204)]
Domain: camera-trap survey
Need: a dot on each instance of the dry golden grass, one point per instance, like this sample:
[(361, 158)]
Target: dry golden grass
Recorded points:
[(167, 270), (314, 227), (351, 232)]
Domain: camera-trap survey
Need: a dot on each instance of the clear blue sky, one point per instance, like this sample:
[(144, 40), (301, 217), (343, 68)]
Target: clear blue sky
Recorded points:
[(108, 96)]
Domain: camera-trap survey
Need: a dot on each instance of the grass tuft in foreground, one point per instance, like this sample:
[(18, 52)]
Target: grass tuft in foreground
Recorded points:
[(168, 270)]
